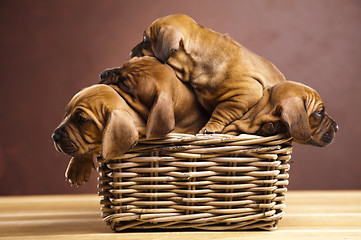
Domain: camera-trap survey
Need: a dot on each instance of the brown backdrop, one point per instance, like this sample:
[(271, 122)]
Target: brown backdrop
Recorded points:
[(52, 49)]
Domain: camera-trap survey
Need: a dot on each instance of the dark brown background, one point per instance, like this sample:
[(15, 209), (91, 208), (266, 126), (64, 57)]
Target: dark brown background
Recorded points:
[(52, 49)]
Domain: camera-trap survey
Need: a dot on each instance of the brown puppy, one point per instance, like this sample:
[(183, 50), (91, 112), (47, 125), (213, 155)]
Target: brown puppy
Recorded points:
[(97, 121), (165, 102), (228, 79), (288, 107)]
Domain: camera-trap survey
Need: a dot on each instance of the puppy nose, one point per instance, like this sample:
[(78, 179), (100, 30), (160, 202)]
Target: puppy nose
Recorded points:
[(335, 126), (55, 137), (58, 134)]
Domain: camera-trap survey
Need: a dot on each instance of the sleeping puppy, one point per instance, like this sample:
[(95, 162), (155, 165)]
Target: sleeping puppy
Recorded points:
[(227, 78), (97, 121), (158, 95), (292, 108)]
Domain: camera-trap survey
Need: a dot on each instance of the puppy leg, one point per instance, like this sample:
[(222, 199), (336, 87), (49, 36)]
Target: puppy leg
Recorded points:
[(262, 129), (229, 111), (79, 170), (223, 114), (237, 127)]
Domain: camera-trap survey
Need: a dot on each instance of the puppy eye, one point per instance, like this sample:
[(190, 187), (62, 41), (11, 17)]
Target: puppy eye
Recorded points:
[(320, 113), (82, 119), (144, 37)]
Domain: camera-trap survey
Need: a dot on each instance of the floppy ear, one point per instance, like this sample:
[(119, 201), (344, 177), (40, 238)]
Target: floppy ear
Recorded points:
[(167, 41), (294, 114), (119, 135), (161, 118)]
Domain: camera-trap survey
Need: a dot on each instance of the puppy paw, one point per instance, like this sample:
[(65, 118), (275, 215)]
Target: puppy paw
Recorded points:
[(79, 170), (211, 128), (231, 130)]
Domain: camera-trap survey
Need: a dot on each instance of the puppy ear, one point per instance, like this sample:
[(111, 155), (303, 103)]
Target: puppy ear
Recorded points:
[(119, 135), (294, 114), (161, 118), (167, 41)]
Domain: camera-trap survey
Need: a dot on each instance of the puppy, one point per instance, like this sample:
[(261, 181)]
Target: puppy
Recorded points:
[(227, 78), (165, 102), (292, 108), (97, 121)]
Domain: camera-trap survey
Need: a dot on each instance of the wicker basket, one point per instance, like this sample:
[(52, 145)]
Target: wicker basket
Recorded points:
[(208, 182)]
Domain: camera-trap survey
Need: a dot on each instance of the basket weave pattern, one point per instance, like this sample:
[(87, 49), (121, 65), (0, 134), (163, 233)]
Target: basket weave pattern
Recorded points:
[(208, 182)]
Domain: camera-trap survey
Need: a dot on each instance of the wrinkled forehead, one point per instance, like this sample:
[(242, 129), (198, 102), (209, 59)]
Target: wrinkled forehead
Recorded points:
[(143, 63), (139, 67), (153, 30), (85, 105), (314, 101), (91, 98)]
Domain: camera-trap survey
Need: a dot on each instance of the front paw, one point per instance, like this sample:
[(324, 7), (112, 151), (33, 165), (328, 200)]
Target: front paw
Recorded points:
[(231, 130), (108, 76), (79, 170), (211, 128)]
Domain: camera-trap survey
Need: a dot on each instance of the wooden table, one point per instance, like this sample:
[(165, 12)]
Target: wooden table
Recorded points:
[(309, 215)]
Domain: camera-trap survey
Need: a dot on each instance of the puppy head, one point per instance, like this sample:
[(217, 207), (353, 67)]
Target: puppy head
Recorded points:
[(163, 37), (150, 83), (97, 121), (304, 114)]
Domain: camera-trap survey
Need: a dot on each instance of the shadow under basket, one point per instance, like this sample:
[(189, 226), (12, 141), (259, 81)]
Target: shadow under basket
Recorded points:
[(204, 182)]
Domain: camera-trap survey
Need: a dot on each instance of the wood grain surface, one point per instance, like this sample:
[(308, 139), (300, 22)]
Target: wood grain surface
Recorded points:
[(309, 215)]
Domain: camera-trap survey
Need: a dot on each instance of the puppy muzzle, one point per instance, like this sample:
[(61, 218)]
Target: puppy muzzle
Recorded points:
[(62, 142), (326, 137)]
